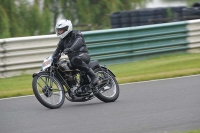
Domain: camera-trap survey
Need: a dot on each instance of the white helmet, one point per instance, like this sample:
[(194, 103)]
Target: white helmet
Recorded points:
[(66, 25)]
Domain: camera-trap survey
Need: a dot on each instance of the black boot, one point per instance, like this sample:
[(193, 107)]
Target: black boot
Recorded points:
[(93, 76)]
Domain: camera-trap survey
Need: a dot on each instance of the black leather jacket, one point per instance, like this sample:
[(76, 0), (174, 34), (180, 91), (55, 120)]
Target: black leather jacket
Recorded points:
[(75, 41)]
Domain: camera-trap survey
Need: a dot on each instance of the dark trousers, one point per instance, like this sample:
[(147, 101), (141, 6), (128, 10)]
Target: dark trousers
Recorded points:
[(80, 62)]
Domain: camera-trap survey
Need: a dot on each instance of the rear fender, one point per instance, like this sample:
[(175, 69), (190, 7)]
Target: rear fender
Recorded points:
[(108, 70)]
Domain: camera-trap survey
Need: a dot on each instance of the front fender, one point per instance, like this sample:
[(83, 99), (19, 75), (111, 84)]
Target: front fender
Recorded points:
[(36, 73)]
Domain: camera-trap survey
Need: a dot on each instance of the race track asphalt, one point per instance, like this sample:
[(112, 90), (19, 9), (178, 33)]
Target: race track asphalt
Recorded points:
[(161, 106)]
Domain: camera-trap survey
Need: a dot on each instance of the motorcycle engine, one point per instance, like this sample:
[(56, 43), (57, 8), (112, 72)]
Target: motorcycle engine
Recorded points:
[(70, 75), (71, 78)]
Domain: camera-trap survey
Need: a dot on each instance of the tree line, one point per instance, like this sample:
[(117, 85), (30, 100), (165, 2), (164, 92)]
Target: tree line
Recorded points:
[(37, 17)]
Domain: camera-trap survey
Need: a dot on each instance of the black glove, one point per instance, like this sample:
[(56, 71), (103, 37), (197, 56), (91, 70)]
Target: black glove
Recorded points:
[(55, 59), (67, 51)]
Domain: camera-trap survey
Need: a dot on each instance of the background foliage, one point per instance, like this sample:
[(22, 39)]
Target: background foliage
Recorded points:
[(189, 2), (38, 17)]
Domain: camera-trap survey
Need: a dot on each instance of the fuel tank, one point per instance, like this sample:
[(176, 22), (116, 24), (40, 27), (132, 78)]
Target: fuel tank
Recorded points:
[(63, 66)]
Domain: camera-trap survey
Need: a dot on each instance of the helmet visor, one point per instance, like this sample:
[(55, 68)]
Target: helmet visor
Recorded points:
[(62, 30)]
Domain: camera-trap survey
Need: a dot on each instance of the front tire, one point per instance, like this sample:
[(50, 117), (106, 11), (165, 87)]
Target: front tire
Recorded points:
[(110, 91), (48, 90)]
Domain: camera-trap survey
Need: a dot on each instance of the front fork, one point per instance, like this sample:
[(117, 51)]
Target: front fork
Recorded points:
[(53, 72)]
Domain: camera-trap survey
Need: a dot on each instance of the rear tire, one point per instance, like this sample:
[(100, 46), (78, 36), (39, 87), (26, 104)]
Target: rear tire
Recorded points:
[(51, 97), (112, 89)]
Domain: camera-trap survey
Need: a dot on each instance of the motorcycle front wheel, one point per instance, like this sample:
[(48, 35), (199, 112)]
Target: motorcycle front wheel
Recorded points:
[(48, 90), (109, 91)]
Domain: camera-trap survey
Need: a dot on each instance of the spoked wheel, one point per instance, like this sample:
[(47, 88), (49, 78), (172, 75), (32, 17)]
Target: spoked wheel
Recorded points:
[(48, 90), (108, 86)]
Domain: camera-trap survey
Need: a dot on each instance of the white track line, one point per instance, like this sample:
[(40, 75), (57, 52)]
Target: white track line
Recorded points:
[(120, 84), (16, 97), (161, 79)]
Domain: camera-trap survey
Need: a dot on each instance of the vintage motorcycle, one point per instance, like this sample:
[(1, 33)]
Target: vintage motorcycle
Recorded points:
[(57, 80)]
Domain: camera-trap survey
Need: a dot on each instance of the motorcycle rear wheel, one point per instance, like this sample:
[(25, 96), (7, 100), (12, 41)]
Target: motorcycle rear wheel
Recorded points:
[(48, 90), (110, 91)]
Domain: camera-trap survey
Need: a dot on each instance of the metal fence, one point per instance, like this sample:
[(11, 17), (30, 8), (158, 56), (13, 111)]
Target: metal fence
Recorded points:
[(113, 46)]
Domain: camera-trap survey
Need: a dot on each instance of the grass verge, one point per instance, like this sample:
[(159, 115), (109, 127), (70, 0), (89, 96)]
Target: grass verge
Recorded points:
[(155, 68), (195, 131)]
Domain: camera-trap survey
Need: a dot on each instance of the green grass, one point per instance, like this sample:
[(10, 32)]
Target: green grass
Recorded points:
[(16, 86), (155, 68), (158, 68), (195, 131)]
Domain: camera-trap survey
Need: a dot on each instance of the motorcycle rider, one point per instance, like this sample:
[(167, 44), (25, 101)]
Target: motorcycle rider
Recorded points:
[(73, 44)]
